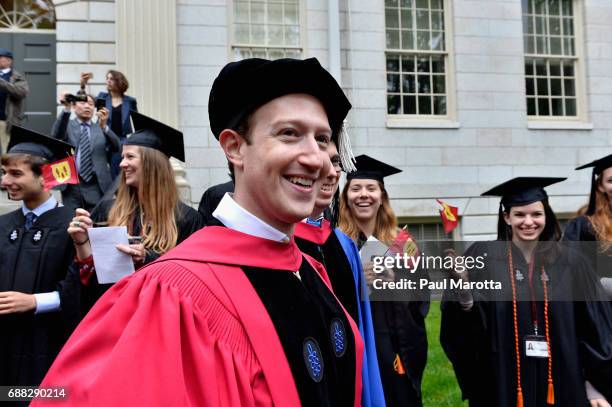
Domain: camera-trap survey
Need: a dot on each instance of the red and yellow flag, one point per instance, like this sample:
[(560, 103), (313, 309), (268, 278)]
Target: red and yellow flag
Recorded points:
[(449, 216), (59, 173)]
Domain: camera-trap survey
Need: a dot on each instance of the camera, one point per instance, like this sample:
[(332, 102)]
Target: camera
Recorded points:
[(100, 103), (70, 98)]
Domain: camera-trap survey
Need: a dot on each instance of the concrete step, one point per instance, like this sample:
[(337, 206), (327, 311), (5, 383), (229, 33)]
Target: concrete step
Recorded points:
[(7, 205)]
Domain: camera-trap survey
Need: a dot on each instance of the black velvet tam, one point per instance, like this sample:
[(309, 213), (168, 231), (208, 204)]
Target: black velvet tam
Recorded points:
[(243, 86)]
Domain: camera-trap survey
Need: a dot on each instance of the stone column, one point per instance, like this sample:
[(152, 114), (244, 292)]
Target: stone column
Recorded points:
[(147, 54)]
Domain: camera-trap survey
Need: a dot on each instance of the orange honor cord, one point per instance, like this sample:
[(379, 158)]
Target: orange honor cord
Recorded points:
[(519, 389), (550, 398)]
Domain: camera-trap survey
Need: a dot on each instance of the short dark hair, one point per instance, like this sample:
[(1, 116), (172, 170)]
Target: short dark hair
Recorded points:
[(241, 128), (82, 92), (35, 162), (121, 81)]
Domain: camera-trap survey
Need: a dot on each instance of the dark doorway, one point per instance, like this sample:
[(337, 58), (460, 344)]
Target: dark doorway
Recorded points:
[(34, 56)]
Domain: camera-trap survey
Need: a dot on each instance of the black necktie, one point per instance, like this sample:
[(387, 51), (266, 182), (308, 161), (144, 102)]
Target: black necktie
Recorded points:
[(30, 217), (86, 164)]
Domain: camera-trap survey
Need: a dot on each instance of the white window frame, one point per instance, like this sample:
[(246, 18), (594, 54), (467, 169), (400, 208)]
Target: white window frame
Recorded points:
[(448, 121), (232, 44), (455, 235), (581, 120), (34, 30)]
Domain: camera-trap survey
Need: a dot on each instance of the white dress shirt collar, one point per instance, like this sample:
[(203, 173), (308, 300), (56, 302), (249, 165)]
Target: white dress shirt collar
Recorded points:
[(44, 207), (236, 217)]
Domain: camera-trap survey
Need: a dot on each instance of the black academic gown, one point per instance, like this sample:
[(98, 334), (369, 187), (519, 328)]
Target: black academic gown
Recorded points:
[(304, 310), (326, 249), (480, 342), (210, 200), (188, 220), (36, 261), (580, 229), (399, 328)]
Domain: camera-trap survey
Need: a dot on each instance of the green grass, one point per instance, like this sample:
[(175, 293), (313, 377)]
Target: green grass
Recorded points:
[(440, 388)]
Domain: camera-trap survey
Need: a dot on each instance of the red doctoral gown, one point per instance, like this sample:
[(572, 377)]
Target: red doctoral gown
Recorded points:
[(187, 330)]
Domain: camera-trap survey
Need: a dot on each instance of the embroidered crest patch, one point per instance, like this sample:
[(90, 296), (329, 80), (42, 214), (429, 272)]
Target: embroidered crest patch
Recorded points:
[(313, 359), (338, 337)]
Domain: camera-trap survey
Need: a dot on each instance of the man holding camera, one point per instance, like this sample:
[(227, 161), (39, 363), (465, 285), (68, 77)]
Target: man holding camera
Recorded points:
[(93, 142), (13, 91)]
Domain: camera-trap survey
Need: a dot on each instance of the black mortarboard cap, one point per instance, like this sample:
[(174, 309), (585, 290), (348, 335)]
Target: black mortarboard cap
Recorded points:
[(245, 85), (522, 190), (598, 167), (371, 168), (25, 141), (153, 134)]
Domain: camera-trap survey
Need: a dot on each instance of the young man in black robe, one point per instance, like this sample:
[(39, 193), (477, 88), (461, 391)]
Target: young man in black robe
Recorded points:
[(38, 297)]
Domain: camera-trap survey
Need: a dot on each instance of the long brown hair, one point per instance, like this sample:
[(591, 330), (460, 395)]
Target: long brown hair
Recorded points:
[(386, 223), (121, 82), (602, 218), (156, 198), (548, 246)]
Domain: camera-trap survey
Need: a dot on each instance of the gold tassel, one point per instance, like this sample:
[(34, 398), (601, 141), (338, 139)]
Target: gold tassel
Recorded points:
[(550, 399), (398, 366), (519, 398)]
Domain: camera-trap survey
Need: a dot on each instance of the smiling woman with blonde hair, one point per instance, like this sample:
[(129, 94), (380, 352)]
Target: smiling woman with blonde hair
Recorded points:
[(399, 326), (357, 217), (147, 203)]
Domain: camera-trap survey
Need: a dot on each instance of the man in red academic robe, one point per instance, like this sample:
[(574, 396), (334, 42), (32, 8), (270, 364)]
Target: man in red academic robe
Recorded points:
[(236, 315)]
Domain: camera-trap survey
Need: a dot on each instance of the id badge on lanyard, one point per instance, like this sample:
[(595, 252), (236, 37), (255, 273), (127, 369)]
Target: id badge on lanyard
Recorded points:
[(536, 346)]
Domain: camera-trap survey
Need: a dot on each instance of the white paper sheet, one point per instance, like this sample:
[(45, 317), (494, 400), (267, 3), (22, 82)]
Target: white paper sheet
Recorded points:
[(111, 264), (373, 248)]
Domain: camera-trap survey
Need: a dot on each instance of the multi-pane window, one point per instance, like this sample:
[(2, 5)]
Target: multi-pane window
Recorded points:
[(550, 58), (266, 29), (417, 57), (422, 232)]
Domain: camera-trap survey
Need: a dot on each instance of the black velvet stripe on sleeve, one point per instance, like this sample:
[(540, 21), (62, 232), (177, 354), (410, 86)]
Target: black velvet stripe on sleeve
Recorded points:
[(332, 256), (312, 328)]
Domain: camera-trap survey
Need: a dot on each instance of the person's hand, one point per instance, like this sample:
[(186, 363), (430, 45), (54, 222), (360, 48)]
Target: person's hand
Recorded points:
[(102, 117), (463, 275), (77, 229), (137, 251), (599, 403), (85, 77), (63, 101), (371, 275), (12, 302)]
